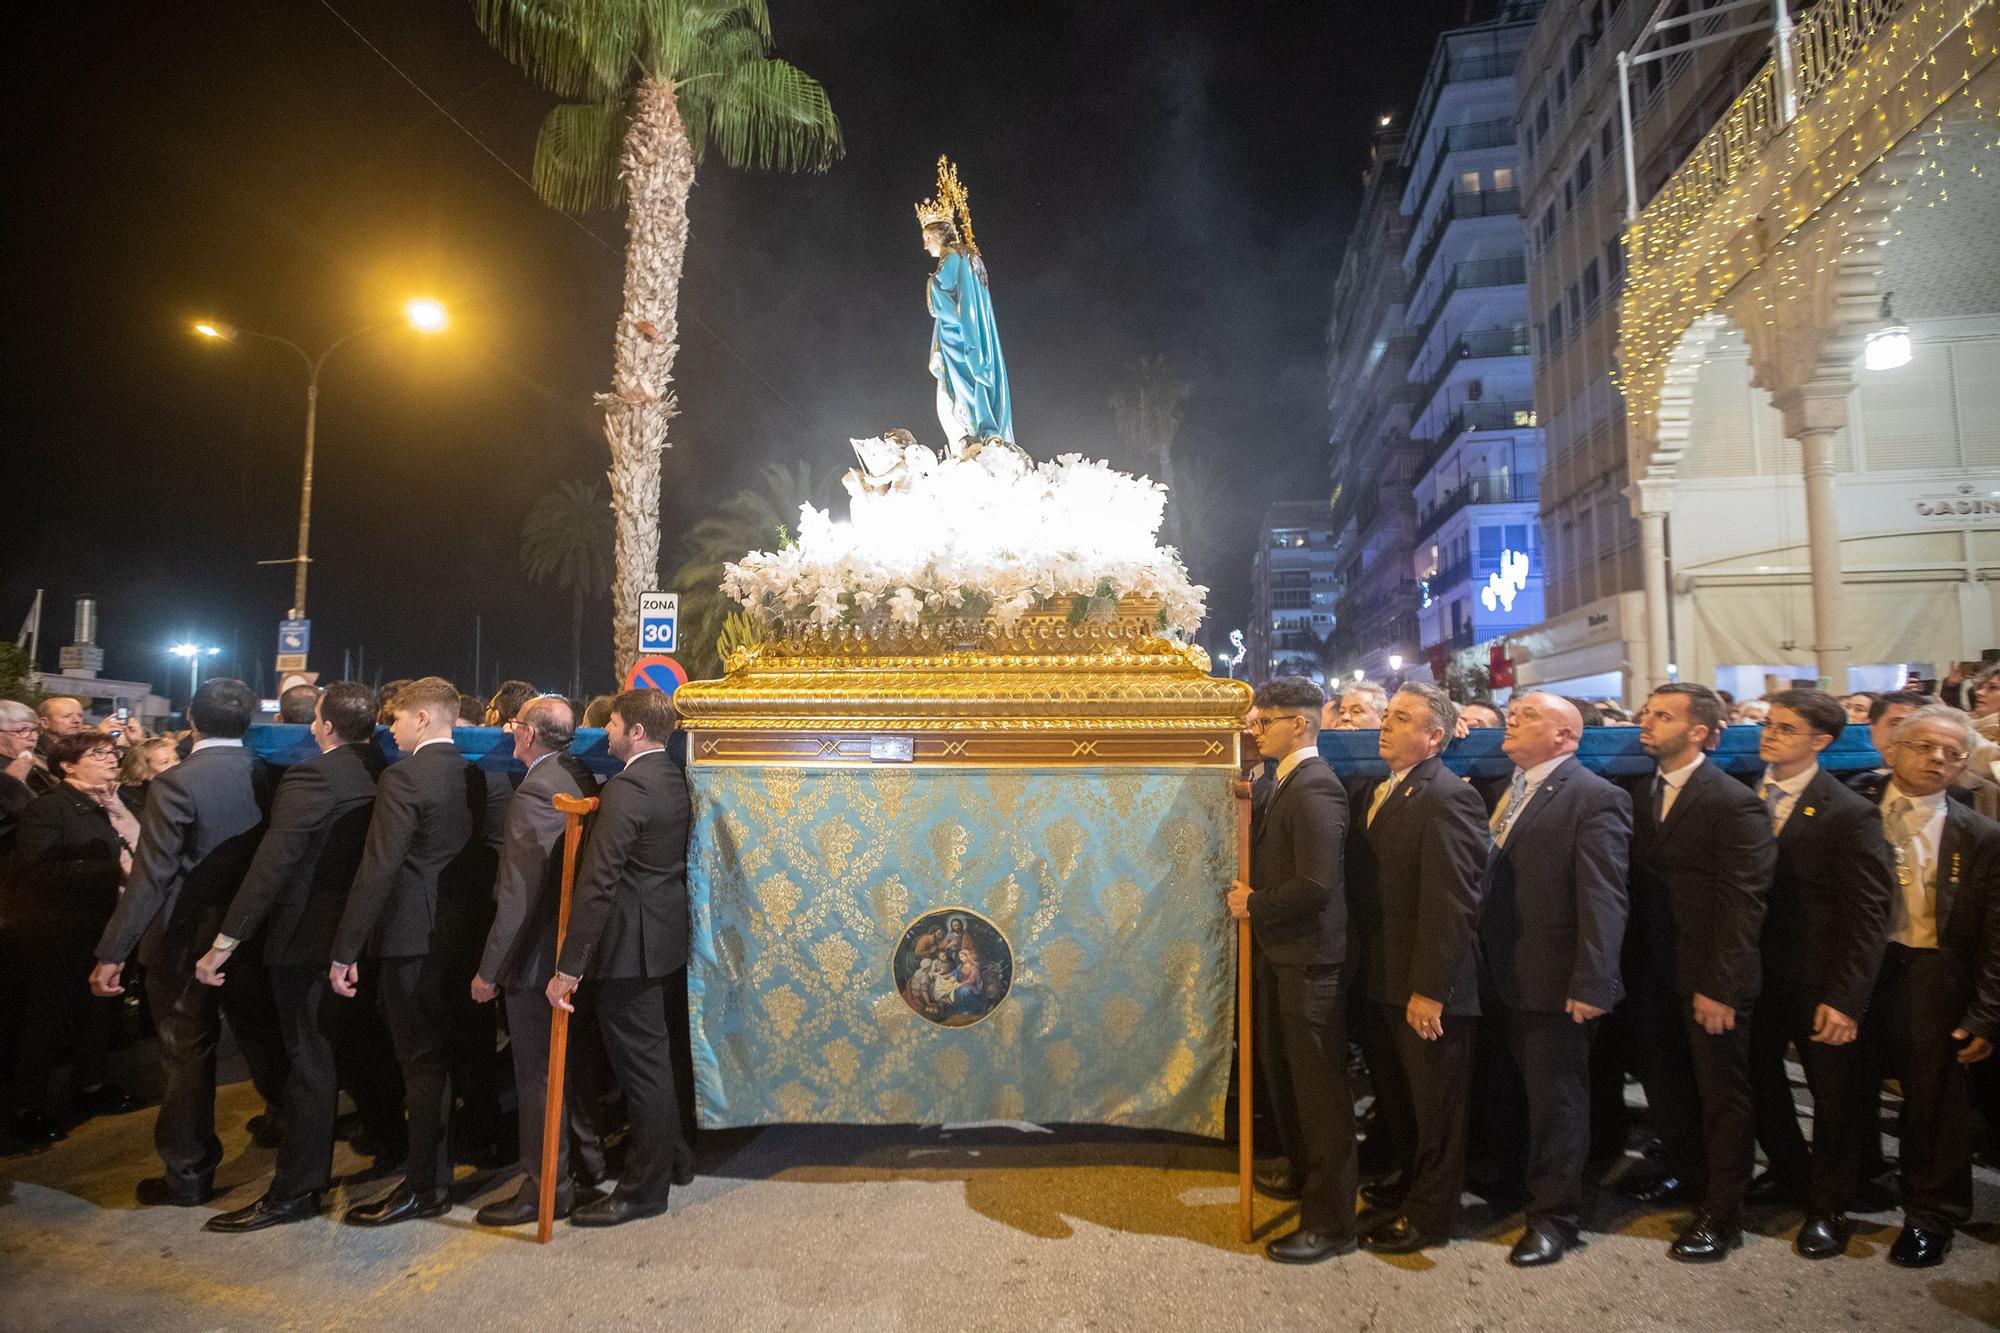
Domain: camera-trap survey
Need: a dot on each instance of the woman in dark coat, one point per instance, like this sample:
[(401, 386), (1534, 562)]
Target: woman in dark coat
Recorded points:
[(73, 850)]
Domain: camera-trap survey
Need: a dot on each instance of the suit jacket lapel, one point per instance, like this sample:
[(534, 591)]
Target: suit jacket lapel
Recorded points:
[(1949, 865), (1398, 799), (1805, 809), (1688, 794), (1539, 798)]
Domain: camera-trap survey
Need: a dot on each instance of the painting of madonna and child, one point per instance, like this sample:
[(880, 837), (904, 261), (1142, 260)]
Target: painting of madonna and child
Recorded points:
[(953, 966)]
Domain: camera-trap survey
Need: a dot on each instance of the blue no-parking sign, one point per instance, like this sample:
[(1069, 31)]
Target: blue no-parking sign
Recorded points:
[(656, 673), (659, 613)]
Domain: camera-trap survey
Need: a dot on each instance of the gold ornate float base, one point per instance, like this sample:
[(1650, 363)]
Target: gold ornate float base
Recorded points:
[(1048, 691)]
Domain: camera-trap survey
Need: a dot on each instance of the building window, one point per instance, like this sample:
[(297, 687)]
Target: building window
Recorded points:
[(1590, 285), (1517, 537), (1556, 324), (1607, 138), (1468, 182), (1549, 222), (1542, 118), (1284, 539), (1575, 305), (1503, 178), (1577, 51), (1583, 173), (1614, 261), (1489, 543)]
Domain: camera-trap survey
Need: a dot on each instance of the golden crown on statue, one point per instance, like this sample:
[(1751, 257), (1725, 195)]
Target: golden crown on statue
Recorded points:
[(948, 207)]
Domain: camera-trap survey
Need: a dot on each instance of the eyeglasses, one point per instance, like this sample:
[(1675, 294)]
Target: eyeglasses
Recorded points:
[(1941, 751), (101, 752), (1787, 730), (30, 730), (1263, 721)]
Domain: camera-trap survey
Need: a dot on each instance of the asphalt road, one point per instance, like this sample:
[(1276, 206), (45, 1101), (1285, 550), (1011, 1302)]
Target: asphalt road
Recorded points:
[(920, 1229)]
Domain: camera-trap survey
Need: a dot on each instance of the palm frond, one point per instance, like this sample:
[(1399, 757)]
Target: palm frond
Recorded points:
[(767, 114), (576, 157), (575, 48), (567, 536)]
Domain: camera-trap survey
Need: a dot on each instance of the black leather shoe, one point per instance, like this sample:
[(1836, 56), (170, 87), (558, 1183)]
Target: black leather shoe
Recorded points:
[(401, 1205), (266, 1212), (1653, 1189), (1919, 1247), (154, 1192), (612, 1211), (1400, 1236), (1385, 1191), (525, 1206), (106, 1099), (1770, 1188), (1276, 1182), (1539, 1247), (1706, 1241), (35, 1129), (1824, 1236), (1308, 1247), (265, 1131)]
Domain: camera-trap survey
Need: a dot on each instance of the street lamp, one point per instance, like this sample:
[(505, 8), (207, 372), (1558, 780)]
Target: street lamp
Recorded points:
[(1395, 661), (193, 652), (422, 314)]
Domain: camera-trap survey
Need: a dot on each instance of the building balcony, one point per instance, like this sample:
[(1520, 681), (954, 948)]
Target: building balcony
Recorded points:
[(1470, 274), (1480, 344), (1478, 416), (1463, 139), (1459, 207), (1479, 491)]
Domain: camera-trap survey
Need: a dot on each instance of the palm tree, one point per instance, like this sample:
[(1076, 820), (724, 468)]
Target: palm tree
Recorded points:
[(651, 86), (1147, 409), (566, 540), (750, 520)]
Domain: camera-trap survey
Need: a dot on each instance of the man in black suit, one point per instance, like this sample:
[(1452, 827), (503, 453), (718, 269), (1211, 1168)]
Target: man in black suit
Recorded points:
[(628, 935), (520, 954), (203, 820), (289, 905), (1418, 870), (1824, 931), (18, 731), (1551, 933), (1702, 859), (423, 818), (1298, 916), (1937, 1002)]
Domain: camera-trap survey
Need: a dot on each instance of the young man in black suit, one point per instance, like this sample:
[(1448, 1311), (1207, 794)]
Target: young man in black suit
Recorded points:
[(1702, 859), (1937, 1002), (628, 936), (289, 904), (1551, 930), (1418, 870), (203, 820), (1298, 915), (421, 821), (1824, 931)]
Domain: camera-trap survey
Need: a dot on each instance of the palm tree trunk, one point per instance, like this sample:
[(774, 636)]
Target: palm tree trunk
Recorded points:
[(659, 172)]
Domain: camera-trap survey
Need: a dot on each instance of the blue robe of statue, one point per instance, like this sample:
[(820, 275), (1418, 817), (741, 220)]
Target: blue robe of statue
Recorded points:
[(965, 353)]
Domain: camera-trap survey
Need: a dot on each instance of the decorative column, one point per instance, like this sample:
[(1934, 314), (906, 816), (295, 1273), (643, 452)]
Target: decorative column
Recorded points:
[(1813, 414), (1652, 500)]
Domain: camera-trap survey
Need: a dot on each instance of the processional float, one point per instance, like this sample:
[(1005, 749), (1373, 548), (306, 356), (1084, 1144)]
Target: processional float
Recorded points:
[(966, 817)]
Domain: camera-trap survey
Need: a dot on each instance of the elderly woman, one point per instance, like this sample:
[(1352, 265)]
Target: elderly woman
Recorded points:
[(146, 760), (72, 853)]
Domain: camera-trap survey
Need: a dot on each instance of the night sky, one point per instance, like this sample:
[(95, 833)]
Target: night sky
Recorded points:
[(1146, 179)]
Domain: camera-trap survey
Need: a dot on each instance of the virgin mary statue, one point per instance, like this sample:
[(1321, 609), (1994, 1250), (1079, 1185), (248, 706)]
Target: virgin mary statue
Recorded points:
[(972, 401)]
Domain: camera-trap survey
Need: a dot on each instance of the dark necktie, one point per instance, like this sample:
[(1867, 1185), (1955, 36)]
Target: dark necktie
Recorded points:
[(1659, 799)]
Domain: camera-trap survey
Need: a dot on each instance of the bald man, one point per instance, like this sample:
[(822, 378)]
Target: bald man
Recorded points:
[(1550, 935)]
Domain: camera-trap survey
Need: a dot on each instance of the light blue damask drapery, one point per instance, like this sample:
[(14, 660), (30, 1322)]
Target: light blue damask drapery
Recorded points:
[(1106, 884)]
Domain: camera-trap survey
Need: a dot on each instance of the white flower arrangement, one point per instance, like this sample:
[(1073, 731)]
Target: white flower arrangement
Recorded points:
[(995, 536)]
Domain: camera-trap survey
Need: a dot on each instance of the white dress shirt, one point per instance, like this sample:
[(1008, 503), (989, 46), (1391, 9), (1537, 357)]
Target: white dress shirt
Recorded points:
[(1789, 792), (1913, 911), (435, 740), (1389, 784), (1292, 761), (217, 743), (1674, 782), (659, 749)]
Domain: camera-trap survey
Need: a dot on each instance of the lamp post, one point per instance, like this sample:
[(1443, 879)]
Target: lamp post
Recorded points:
[(422, 314), (193, 652)]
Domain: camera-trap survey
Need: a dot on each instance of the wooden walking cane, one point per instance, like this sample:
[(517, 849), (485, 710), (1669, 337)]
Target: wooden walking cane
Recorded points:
[(575, 808), (1246, 1188)]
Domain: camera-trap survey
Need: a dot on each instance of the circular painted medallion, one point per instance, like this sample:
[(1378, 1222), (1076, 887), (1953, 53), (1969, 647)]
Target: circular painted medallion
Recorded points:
[(953, 966)]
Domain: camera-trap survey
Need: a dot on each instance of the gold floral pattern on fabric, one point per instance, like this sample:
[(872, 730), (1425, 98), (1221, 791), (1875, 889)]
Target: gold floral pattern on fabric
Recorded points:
[(1107, 885)]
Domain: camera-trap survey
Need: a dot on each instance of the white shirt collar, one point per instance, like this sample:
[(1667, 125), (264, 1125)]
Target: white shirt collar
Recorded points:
[(1540, 772), (1294, 759), (1794, 784), (216, 743), (642, 754), (435, 740), (538, 759), (1935, 803), (1678, 778)]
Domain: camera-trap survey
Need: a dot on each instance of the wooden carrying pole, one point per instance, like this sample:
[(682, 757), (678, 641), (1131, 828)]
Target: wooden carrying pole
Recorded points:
[(574, 808), (1246, 1188)]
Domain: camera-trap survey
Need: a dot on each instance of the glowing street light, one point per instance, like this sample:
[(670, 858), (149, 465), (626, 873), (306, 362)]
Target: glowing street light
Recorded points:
[(193, 652), (1887, 348), (421, 313), (1395, 661)]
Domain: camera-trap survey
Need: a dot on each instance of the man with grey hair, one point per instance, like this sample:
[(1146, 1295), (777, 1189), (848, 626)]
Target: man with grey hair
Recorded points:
[(1414, 877), (1361, 706), (520, 954), (1936, 1010), (18, 730), (59, 716)]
